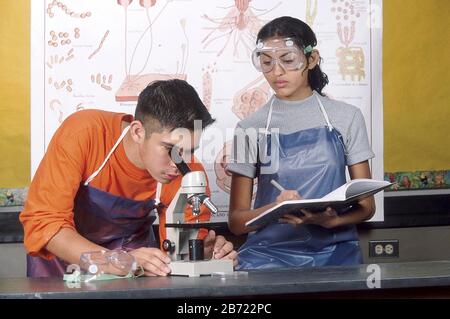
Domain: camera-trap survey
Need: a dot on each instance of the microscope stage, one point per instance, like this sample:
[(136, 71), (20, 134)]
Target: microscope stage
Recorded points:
[(200, 267)]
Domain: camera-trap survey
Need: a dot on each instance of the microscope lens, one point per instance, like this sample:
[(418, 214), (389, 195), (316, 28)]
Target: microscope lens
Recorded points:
[(196, 249)]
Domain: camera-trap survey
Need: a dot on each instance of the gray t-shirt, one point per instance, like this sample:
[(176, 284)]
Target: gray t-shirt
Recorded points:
[(292, 116)]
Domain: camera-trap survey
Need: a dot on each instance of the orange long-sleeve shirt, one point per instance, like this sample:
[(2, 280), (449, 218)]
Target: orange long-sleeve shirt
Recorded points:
[(77, 149)]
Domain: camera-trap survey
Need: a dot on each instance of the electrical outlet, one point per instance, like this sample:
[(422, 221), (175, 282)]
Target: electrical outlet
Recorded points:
[(384, 248)]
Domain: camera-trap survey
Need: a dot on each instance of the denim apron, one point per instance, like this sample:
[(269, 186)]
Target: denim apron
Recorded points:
[(108, 220), (312, 162)]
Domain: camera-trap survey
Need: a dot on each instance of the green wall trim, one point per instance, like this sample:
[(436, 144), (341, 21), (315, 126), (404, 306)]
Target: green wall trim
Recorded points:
[(418, 180)]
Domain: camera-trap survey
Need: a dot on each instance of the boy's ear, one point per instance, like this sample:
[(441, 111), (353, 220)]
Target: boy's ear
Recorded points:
[(137, 132), (313, 59)]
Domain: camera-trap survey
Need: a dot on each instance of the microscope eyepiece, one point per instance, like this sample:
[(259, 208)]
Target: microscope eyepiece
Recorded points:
[(174, 154)]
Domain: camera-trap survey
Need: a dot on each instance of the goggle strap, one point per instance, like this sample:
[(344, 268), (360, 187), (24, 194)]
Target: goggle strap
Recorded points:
[(308, 49)]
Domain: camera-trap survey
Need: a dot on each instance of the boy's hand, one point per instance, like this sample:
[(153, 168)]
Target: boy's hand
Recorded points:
[(218, 247), (154, 261)]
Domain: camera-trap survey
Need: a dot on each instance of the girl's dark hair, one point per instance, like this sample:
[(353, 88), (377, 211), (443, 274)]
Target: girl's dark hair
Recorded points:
[(303, 36)]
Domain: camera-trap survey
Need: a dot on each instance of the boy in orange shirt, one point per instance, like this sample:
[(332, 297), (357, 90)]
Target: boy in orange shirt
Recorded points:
[(101, 178)]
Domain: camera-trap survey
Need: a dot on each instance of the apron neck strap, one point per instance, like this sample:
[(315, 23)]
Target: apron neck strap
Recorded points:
[(324, 113), (269, 115), (158, 193), (322, 109), (90, 178)]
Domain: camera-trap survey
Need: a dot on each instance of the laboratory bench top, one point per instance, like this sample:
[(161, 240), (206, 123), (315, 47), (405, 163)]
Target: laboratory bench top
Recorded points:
[(269, 283)]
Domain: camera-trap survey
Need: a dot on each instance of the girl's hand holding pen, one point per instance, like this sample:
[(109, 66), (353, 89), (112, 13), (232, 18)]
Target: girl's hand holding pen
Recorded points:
[(285, 194), (288, 195)]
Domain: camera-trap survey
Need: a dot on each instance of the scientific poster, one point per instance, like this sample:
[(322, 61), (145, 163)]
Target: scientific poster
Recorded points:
[(100, 54)]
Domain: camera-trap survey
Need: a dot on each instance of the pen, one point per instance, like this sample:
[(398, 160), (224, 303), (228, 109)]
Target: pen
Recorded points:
[(278, 186)]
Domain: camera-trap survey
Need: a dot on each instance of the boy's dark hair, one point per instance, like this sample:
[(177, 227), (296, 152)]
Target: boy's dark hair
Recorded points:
[(303, 36), (169, 105)]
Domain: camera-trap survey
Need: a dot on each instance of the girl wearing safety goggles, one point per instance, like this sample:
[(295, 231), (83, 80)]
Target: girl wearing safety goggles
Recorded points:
[(305, 142)]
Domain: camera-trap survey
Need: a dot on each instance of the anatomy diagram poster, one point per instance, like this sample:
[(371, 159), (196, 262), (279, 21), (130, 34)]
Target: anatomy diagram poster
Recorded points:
[(102, 53)]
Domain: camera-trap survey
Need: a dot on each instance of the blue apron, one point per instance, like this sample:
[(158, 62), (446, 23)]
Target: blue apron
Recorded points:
[(312, 162), (110, 221)]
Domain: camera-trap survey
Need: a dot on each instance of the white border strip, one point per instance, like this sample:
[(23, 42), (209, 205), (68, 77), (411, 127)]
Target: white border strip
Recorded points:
[(37, 83), (375, 23)]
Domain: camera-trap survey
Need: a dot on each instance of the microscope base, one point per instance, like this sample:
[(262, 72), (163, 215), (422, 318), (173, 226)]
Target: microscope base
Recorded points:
[(200, 267)]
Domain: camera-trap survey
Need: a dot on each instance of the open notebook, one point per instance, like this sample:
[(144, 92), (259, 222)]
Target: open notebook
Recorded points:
[(339, 199)]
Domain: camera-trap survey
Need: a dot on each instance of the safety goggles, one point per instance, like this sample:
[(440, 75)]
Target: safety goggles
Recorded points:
[(117, 260), (282, 51), (93, 265)]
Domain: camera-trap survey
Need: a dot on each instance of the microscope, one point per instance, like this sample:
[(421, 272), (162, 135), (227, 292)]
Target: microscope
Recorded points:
[(182, 245)]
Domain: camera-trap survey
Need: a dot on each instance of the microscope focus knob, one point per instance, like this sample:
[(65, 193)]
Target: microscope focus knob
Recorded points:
[(168, 245)]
